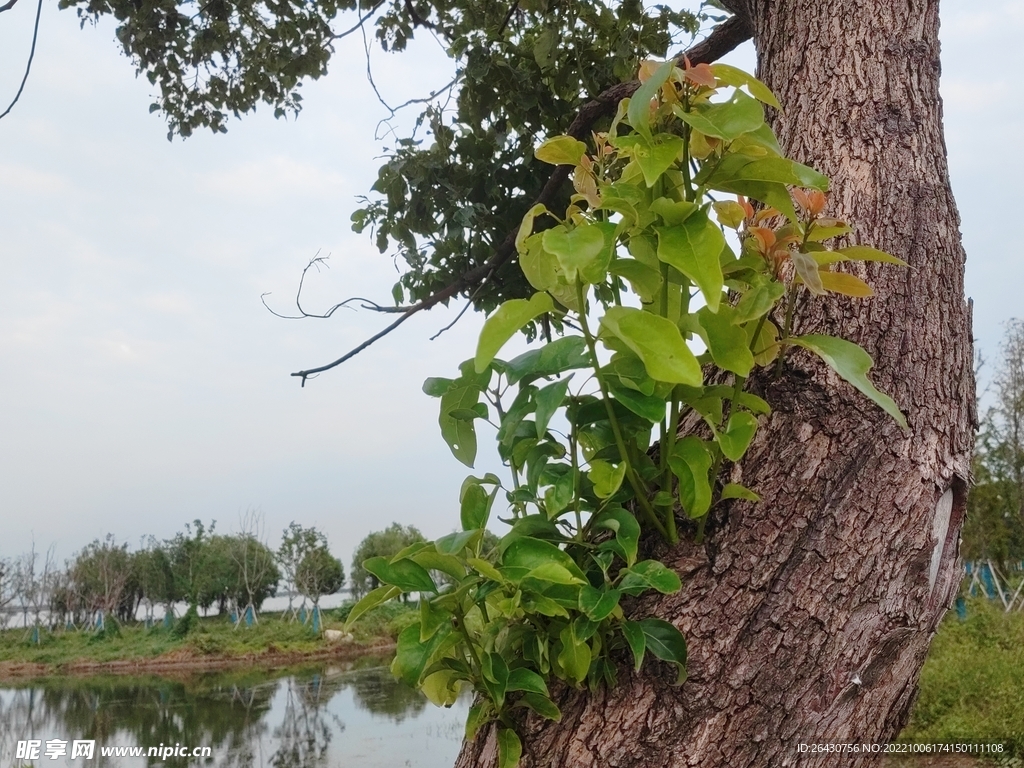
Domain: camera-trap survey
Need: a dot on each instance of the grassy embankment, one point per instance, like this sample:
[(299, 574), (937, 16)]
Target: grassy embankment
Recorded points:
[(212, 641), (972, 685)]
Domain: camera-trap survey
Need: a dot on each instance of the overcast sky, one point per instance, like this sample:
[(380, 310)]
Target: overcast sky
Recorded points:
[(143, 383)]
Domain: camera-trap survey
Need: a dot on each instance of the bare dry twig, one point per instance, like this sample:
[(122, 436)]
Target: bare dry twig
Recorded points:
[(723, 39)]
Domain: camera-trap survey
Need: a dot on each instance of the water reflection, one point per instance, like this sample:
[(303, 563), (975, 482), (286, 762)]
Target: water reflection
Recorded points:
[(308, 718)]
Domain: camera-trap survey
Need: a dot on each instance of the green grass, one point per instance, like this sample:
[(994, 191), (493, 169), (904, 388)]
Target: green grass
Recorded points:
[(972, 685), (213, 636)]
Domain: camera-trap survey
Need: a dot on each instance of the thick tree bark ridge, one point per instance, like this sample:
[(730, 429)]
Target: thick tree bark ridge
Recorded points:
[(809, 614)]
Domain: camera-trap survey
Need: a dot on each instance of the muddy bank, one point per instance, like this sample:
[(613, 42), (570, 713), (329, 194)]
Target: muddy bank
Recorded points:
[(188, 660)]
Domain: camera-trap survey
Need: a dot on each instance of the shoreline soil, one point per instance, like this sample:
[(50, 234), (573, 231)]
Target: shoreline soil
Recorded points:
[(189, 660)]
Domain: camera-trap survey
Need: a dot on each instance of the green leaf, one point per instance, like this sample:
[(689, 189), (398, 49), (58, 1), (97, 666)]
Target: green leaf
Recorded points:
[(544, 606), (539, 266), (852, 364), (442, 688), (454, 543), (857, 253), (606, 477), (481, 712), (503, 324), (657, 341), (475, 504), (693, 248), (523, 679), (567, 353), (673, 212), (729, 75), (559, 496), (542, 705), (529, 553), (730, 213), (627, 532), (549, 399), (526, 227), (667, 643), (431, 619), (561, 150), (654, 157), (736, 168), (646, 282), (580, 251), (649, 574), (405, 574), (765, 347), (737, 491), (598, 604), (412, 656), (727, 342), (758, 300), (725, 120), (634, 635), (639, 110), (553, 573), (374, 598), (690, 462), (757, 142), (510, 748), (485, 569), (650, 408), (575, 654), (807, 269), (435, 386), (844, 283), (494, 668), (737, 436), (819, 233), (459, 434), (433, 560)]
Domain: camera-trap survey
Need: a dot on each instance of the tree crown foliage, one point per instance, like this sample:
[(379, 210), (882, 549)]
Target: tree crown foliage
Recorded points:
[(448, 193), (386, 543)]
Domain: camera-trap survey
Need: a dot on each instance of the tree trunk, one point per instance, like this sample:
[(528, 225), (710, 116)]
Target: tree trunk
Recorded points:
[(809, 614)]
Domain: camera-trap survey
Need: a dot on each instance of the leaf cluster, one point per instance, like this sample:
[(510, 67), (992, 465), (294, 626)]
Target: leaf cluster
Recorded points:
[(639, 264)]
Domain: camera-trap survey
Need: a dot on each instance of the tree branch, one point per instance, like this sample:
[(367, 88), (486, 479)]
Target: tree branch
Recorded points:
[(721, 41), (31, 54), (7, 6)]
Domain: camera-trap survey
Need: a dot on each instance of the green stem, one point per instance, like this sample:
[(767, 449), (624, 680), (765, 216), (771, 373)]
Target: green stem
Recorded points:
[(634, 481), (519, 509), (576, 484), (668, 444), (790, 307), (461, 617)]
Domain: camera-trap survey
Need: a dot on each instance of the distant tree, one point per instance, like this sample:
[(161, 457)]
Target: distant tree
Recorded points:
[(386, 543), (994, 527), (152, 567), (102, 578), (186, 553), (8, 593), (256, 571), (319, 574), (296, 543), (218, 579)]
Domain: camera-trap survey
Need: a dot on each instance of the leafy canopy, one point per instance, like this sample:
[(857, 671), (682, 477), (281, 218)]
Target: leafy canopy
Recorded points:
[(441, 202)]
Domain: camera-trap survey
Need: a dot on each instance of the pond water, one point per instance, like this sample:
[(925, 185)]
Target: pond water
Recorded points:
[(332, 716)]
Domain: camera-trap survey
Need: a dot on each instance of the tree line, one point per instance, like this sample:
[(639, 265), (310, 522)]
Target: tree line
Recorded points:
[(199, 567), (994, 527)]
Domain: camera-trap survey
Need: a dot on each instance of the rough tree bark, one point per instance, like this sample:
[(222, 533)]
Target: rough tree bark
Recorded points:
[(809, 614)]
